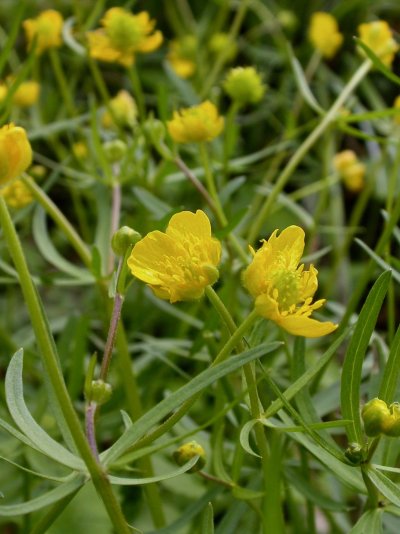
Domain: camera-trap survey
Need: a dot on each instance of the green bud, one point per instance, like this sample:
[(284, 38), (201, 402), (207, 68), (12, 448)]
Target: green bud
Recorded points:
[(187, 451), (391, 425), (100, 391), (114, 150), (155, 130), (287, 20), (244, 85), (375, 415), (124, 238), (355, 453)]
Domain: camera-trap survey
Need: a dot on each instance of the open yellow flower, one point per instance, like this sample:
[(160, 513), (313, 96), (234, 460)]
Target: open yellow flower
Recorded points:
[(196, 124), (46, 28), (378, 37), (324, 34), (15, 152), (282, 289), (122, 35), (180, 263)]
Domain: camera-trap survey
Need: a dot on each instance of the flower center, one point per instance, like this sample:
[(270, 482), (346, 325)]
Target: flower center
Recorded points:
[(124, 31), (286, 288)]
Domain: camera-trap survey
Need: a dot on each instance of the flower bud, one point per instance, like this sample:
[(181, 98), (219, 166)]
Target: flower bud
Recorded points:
[(124, 238), (115, 150), (100, 391), (122, 113), (15, 152), (244, 85), (355, 453), (187, 451), (391, 425), (375, 415)]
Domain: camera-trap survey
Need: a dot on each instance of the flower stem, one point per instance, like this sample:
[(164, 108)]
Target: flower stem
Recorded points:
[(221, 217), (50, 359), (137, 91), (115, 317), (62, 81), (305, 146)]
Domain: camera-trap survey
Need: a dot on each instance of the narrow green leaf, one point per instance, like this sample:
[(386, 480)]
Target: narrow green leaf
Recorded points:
[(352, 366), (391, 372), (55, 495), (369, 523), (207, 520), (306, 377), (302, 83), (347, 474), (381, 262), (311, 493), (199, 383), (23, 419), (389, 489), (377, 62), (246, 494), (125, 481), (154, 205), (49, 252)]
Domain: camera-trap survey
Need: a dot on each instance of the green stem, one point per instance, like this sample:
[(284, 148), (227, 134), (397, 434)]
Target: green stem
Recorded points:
[(48, 353), (60, 219), (224, 54), (256, 409), (373, 495), (61, 81), (137, 91), (219, 211), (305, 147), (229, 137)]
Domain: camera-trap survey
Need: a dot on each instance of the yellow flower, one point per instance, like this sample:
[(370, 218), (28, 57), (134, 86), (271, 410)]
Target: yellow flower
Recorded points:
[(244, 85), (123, 109), (27, 94), (16, 194), (181, 262), (283, 291), (80, 149), (182, 55), (350, 169), (378, 37), (46, 28), (122, 35), (196, 124), (15, 152), (324, 34)]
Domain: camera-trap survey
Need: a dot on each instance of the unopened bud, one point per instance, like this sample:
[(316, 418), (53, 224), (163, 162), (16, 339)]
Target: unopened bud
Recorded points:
[(188, 451), (355, 453), (100, 391), (124, 238), (374, 414), (391, 424), (114, 150)]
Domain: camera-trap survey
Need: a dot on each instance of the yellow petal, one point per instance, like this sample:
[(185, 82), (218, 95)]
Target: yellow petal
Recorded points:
[(304, 326), (151, 43)]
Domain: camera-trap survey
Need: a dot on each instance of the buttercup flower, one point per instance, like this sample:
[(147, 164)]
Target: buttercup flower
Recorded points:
[(378, 37), (16, 194), (124, 111), (350, 169), (122, 36), (26, 94), (182, 55), (15, 152), (196, 124), (282, 289), (180, 263), (324, 34), (244, 85), (46, 28)]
